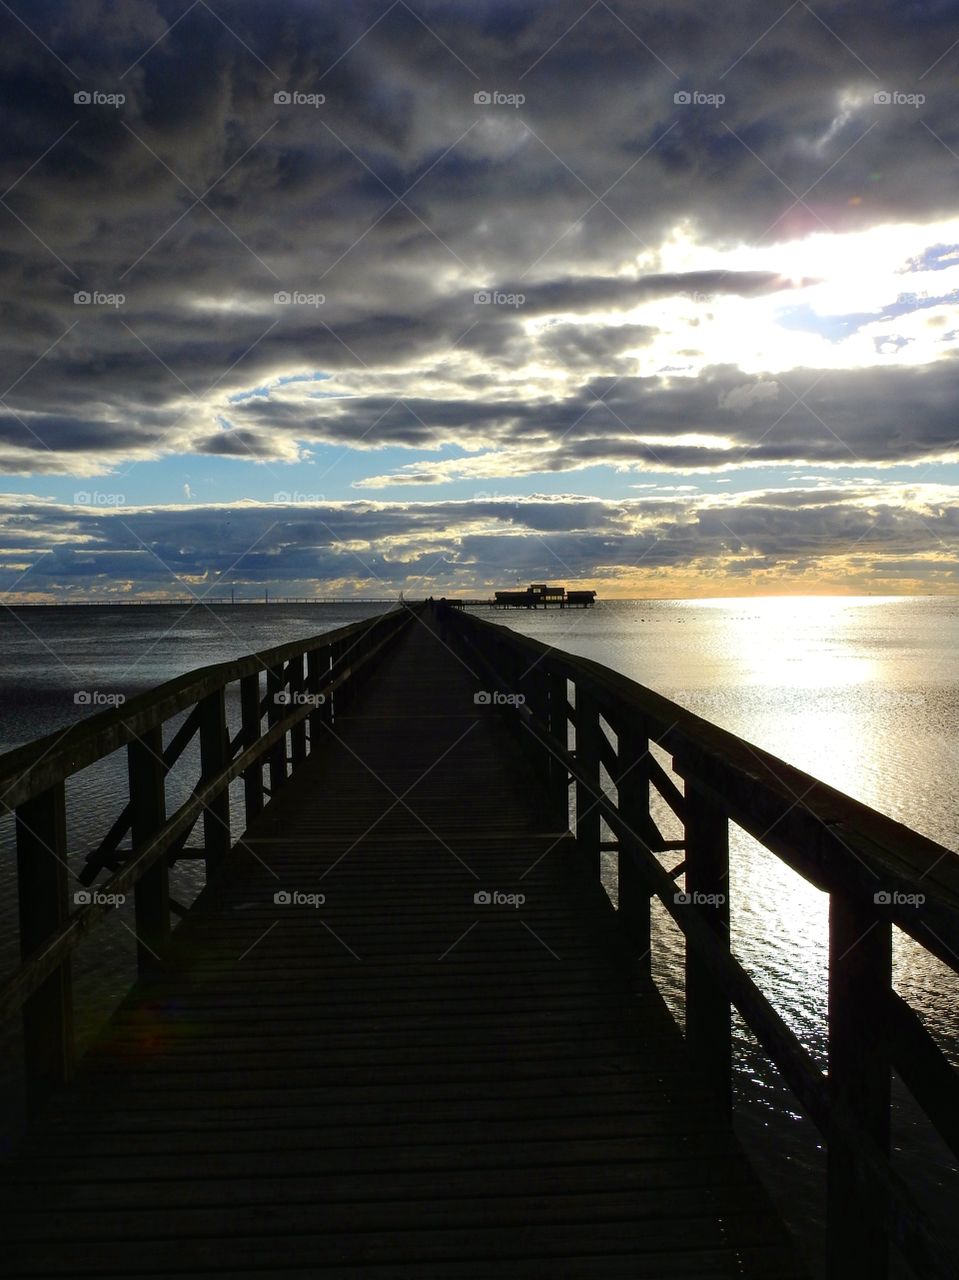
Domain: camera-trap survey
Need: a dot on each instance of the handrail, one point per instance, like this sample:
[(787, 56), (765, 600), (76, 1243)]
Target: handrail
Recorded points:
[(876, 871), (308, 682), (829, 838), (25, 771)]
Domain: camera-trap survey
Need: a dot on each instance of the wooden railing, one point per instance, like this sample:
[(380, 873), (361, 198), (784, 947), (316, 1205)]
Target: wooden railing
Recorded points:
[(294, 688), (877, 873)]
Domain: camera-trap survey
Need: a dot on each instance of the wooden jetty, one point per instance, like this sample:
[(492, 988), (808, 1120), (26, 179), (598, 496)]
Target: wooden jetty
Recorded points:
[(403, 1032)]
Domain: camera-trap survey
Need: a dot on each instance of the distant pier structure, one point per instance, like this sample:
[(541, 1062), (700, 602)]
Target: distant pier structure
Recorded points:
[(540, 594)]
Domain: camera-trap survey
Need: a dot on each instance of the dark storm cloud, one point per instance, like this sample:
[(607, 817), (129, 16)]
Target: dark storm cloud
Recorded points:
[(596, 347), (199, 198), (45, 547), (594, 294), (871, 416)]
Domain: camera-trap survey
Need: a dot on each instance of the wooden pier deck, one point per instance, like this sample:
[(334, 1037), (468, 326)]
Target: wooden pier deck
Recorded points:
[(399, 1081)]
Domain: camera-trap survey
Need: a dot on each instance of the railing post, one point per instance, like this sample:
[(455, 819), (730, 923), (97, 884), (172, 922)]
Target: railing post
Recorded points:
[(148, 805), (558, 721), (589, 790), (297, 689), (214, 757), (44, 905), (708, 1013), (860, 977), (276, 710), (341, 697), (632, 788), (534, 687), (251, 722), (317, 675)]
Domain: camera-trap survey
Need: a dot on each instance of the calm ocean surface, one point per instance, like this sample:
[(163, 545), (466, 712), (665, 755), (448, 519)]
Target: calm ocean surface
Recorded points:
[(863, 693)]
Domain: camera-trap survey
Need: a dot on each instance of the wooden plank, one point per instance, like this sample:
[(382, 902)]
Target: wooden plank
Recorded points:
[(632, 783), (251, 725), (214, 757), (275, 712), (43, 904), (860, 978), (708, 1012), (494, 1244), (318, 685), (557, 725), (588, 789), (722, 1215), (148, 810), (297, 692)]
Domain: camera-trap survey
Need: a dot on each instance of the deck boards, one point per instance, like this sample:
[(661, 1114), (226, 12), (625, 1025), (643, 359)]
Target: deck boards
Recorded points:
[(398, 1082)]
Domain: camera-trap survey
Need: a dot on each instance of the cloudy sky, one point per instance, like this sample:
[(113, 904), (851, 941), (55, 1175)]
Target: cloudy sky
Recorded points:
[(660, 298)]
